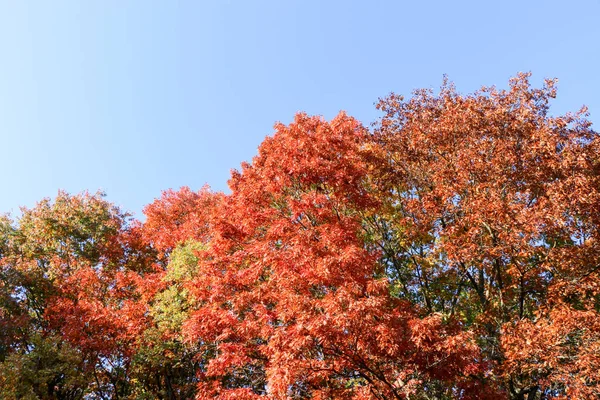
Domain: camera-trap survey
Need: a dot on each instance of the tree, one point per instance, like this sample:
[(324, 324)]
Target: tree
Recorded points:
[(492, 216), (293, 304), (70, 269)]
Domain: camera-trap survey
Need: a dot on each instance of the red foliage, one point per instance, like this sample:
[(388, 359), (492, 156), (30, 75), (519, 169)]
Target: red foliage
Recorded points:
[(179, 216), (292, 300)]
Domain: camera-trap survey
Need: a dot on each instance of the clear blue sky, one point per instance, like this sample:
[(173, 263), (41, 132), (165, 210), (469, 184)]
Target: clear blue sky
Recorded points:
[(133, 97)]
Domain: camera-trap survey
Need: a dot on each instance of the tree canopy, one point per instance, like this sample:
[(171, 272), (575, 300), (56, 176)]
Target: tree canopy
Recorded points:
[(451, 251)]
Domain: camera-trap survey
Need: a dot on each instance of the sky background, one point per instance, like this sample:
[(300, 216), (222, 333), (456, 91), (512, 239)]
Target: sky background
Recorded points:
[(134, 97)]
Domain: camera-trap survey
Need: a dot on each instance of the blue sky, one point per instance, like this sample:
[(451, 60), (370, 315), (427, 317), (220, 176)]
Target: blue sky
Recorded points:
[(134, 97)]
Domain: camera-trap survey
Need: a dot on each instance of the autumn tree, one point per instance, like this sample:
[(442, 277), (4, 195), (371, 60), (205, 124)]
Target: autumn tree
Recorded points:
[(490, 215), (293, 303), (69, 270)]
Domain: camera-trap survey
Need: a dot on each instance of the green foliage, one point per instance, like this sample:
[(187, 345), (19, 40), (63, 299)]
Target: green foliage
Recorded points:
[(76, 229), (48, 368), (171, 306), (164, 366)]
